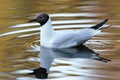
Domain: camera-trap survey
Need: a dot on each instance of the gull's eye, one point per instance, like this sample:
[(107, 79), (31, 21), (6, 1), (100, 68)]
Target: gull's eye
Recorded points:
[(41, 17)]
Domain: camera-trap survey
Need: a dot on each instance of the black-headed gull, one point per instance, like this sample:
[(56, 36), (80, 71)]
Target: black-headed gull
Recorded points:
[(64, 39)]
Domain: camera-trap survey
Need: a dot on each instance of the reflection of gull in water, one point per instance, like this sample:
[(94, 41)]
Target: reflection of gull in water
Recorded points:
[(47, 55)]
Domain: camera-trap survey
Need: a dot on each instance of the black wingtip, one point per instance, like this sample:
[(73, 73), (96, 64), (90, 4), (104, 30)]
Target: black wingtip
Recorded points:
[(102, 59), (97, 26)]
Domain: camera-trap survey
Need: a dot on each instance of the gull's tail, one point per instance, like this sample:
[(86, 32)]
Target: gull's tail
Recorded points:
[(99, 25)]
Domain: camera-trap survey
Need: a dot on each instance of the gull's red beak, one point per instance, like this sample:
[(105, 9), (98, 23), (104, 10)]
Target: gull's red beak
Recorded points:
[(33, 20)]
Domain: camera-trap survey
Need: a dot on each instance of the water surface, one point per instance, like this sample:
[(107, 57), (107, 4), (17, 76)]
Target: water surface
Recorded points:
[(18, 38)]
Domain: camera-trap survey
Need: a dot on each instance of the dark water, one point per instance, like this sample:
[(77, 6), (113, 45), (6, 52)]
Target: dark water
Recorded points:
[(19, 53)]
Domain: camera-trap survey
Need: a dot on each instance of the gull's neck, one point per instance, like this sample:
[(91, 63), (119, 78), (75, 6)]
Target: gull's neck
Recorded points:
[(47, 31)]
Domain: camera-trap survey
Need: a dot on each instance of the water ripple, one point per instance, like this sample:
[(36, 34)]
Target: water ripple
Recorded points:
[(76, 14)]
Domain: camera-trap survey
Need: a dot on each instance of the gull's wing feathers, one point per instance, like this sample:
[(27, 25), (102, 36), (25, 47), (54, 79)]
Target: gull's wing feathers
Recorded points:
[(72, 38), (64, 39)]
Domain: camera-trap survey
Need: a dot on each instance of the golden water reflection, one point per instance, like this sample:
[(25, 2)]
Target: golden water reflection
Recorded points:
[(14, 55)]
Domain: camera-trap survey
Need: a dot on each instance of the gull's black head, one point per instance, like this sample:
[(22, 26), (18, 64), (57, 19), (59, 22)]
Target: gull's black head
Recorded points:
[(42, 18)]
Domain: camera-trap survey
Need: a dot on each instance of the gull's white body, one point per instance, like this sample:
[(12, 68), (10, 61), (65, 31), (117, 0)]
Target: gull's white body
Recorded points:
[(64, 39)]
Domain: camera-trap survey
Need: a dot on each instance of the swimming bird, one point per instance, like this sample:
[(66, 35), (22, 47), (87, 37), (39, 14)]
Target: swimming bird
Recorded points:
[(64, 39)]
